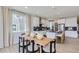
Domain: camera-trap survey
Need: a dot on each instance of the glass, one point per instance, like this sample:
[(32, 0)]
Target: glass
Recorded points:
[(18, 22)]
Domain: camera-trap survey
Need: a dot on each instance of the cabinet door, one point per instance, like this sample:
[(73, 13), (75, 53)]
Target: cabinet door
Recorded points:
[(72, 22), (34, 22)]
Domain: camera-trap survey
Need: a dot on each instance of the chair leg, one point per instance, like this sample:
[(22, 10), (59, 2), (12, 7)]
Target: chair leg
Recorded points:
[(54, 46), (50, 47), (19, 48), (23, 45), (27, 46), (19, 45)]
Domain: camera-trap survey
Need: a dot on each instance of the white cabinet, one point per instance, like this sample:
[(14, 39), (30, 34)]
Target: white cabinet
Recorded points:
[(71, 21), (72, 34), (35, 21)]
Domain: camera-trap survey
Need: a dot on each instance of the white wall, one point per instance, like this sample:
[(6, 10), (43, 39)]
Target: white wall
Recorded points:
[(71, 22), (61, 21), (45, 22), (1, 29), (34, 22), (27, 24)]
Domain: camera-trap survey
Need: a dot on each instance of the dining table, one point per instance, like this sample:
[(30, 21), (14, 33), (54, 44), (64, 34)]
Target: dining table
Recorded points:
[(41, 43)]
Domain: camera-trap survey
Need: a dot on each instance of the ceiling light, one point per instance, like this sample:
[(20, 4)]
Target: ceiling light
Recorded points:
[(26, 7)]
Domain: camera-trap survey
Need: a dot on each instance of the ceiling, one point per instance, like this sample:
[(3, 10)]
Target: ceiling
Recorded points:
[(52, 12)]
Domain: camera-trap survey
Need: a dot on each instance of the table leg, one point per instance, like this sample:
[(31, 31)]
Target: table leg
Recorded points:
[(54, 46), (33, 46)]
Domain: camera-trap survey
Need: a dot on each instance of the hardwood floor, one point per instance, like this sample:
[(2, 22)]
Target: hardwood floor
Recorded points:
[(70, 46)]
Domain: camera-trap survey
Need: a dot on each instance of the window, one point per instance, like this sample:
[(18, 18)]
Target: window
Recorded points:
[(18, 22)]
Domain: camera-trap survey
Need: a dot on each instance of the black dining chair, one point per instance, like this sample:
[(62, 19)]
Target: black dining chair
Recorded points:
[(51, 42), (23, 44), (33, 46)]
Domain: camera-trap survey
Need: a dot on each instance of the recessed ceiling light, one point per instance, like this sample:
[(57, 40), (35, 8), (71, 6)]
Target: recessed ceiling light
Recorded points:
[(26, 7)]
